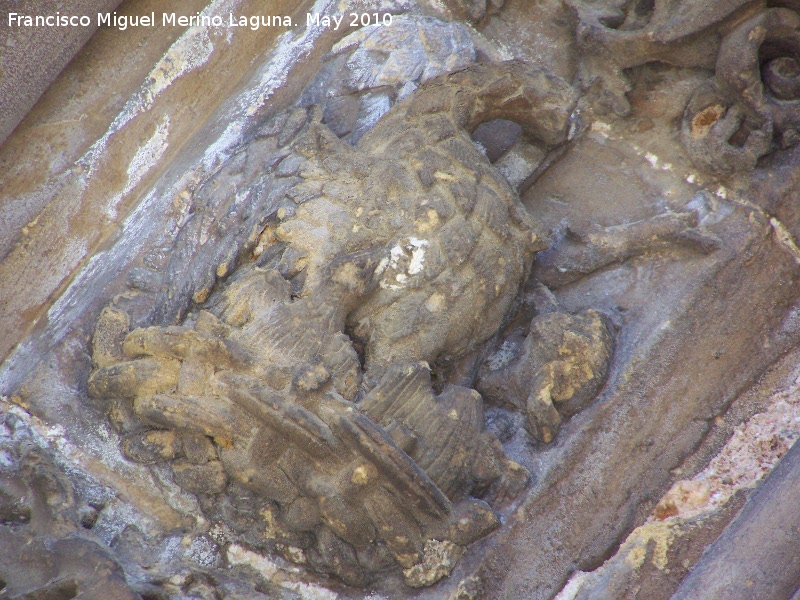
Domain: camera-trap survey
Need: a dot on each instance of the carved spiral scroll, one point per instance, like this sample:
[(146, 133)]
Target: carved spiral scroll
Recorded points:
[(753, 103)]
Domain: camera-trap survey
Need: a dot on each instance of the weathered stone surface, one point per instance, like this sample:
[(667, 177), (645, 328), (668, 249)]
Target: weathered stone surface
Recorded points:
[(304, 288), (46, 540), (299, 436), (761, 542), (753, 104)]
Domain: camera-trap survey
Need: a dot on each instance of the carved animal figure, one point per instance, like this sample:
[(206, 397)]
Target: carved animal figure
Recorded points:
[(295, 398)]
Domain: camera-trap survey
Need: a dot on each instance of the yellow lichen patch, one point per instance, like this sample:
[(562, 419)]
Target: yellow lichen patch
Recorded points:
[(246, 476), (636, 557), (435, 302), (587, 371), (406, 560), (19, 402), (635, 547), (705, 119), (31, 225), (430, 223), (444, 176), (438, 560), (270, 529), (363, 474), (223, 269), (225, 443), (757, 34), (164, 441)]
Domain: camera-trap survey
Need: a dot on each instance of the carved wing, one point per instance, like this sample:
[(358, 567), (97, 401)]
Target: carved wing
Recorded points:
[(229, 213)]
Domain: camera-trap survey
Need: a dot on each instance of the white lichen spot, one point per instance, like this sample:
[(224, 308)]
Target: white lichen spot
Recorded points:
[(382, 266), (203, 551), (190, 51), (145, 158), (573, 130), (516, 167), (417, 256), (237, 555), (148, 154), (507, 352), (406, 258), (601, 128), (574, 585), (308, 591), (296, 555)]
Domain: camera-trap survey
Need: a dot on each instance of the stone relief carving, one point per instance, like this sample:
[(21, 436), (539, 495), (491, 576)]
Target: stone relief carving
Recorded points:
[(751, 104), (416, 247), (409, 247), (358, 312)]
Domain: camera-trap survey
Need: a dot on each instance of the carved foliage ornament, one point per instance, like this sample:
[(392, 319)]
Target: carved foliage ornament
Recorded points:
[(752, 104)]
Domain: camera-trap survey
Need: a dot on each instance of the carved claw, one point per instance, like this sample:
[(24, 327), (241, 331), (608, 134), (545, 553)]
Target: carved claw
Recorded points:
[(544, 420), (562, 366), (584, 251)]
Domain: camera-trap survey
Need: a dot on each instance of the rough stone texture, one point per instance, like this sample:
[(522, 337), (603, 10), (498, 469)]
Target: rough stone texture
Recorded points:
[(761, 542), (656, 557), (754, 101), (193, 213)]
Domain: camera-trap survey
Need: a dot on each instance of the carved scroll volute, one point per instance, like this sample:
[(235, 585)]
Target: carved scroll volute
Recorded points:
[(752, 105)]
